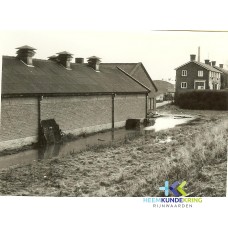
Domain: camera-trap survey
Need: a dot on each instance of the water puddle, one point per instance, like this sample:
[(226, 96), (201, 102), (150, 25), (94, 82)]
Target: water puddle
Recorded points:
[(167, 140), (169, 121), (59, 150)]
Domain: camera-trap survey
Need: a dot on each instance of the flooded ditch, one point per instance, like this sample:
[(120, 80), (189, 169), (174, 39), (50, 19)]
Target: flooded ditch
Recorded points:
[(30, 156)]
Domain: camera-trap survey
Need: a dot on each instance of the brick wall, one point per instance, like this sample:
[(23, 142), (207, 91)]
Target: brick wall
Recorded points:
[(19, 118), (73, 114), (77, 112), (192, 74), (85, 112), (130, 106)]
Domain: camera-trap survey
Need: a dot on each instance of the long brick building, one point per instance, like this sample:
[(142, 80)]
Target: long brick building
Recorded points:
[(81, 97)]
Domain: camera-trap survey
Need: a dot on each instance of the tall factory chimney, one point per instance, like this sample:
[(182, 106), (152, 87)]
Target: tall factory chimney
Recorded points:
[(198, 54)]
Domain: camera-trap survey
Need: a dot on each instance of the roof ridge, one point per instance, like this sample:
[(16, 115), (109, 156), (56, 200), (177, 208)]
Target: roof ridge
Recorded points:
[(15, 57), (221, 69), (12, 57), (8, 56), (207, 67)]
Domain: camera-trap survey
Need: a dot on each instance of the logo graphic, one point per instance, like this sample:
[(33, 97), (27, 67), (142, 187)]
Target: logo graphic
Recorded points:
[(176, 188)]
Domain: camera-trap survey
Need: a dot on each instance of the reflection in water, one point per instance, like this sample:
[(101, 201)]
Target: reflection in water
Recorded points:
[(62, 149), (83, 143), (49, 151), (169, 121)]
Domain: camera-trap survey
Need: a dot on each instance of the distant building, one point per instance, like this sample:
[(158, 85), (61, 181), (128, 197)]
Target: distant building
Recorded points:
[(165, 91), (197, 75), (80, 97)]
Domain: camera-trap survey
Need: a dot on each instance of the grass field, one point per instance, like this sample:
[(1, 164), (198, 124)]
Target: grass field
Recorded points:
[(197, 153)]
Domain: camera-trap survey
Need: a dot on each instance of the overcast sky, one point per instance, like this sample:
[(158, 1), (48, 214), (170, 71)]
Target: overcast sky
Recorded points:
[(160, 52), (117, 31)]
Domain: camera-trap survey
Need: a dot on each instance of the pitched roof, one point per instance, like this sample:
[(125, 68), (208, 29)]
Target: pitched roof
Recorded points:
[(164, 87), (138, 71), (222, 70), (128, 67), (49, 77), (205, 66)]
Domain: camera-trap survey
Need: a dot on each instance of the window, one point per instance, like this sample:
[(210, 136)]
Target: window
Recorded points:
[(184, 72), (200, 73), (183, 85), (218, 76)]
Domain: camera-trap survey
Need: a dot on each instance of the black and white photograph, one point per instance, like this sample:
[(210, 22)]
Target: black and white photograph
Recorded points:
[(101, 116), (96, 113)]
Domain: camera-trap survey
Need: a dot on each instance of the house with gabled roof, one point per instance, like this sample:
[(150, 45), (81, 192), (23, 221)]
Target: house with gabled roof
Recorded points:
[(80, 97), (197, 75)]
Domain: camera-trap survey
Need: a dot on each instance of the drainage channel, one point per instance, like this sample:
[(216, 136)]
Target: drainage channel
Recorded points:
[(59, 150)]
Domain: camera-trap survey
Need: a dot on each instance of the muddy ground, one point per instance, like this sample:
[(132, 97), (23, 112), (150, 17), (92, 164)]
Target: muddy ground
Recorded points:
[(123, 169)]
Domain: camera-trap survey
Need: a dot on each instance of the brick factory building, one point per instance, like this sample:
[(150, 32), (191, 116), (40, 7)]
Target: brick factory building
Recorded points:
[(81, 97)]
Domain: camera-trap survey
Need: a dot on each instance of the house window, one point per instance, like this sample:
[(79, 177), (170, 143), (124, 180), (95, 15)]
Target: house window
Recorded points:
[(184, 72), (218, 76), (200, 73), (183, 85)]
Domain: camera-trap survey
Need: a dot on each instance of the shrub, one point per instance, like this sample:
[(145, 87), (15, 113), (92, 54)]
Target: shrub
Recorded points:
[(203, 99)]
